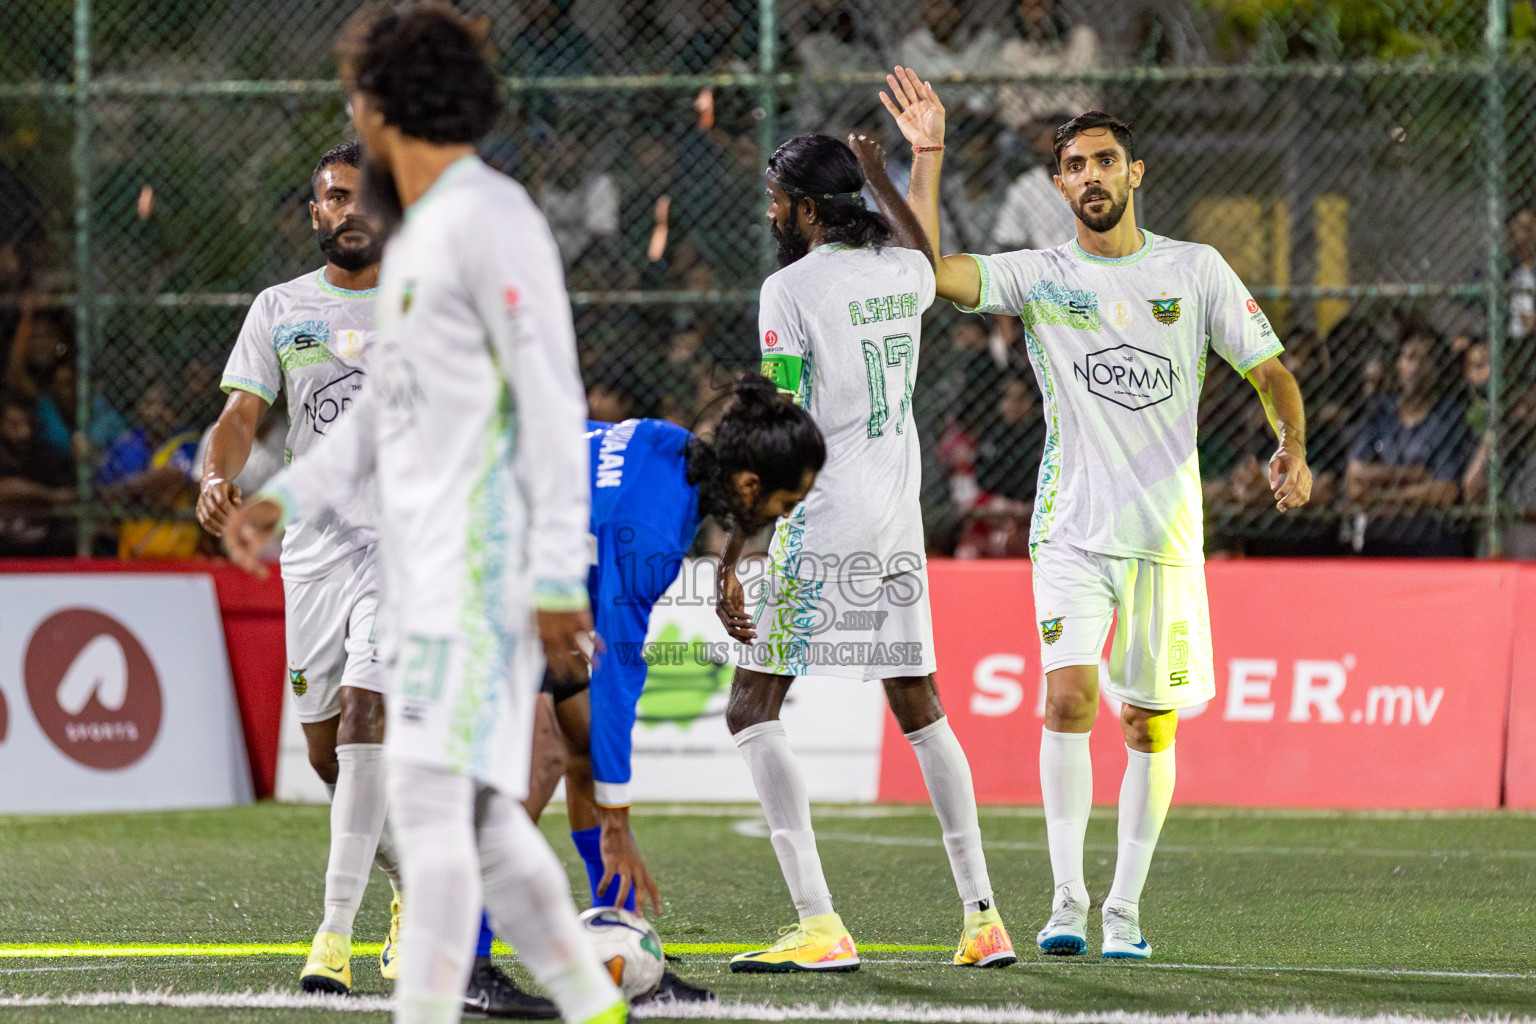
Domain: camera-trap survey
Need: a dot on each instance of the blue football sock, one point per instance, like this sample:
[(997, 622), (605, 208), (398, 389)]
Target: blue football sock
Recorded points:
[(589, 845), (483, 947)]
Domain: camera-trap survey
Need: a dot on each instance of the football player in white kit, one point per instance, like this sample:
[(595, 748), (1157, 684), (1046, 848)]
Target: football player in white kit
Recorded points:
[(472, 424), (308, 336), (847, 589), (1118, 323)]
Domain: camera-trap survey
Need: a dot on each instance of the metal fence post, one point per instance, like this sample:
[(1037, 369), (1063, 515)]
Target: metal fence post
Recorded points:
[(767, 98), (1495, 129), (84, 292)]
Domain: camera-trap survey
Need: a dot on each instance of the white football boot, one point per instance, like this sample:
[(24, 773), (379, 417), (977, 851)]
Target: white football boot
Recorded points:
[(1066, 933), (1122, 934)]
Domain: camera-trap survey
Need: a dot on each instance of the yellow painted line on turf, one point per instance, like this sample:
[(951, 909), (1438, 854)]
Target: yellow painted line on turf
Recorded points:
[(55, 950)]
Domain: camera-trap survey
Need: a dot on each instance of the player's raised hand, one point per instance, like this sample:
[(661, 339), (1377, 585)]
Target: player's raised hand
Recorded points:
[(215, 501), (730, 606), (870, 153), (915, 106), (247, 530), (1290, 478), (566, 636), (622, 863)]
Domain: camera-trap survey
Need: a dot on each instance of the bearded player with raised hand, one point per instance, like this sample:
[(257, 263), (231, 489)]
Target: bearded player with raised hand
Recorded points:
[(308, 336), (840, 326), (472, 425), (1118, 323)]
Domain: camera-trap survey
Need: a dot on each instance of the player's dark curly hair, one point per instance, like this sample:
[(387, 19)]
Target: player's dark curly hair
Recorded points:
[(1088, 121), (760, 432), (825, 171), (349, 153), (427, 65)]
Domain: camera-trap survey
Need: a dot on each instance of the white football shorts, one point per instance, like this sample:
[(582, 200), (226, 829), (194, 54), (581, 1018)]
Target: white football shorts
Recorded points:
[(329, 625), (1161, 655), (877, 628), (464, 702)]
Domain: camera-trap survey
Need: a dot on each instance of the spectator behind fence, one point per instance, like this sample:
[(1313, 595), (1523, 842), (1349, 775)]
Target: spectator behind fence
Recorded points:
[(551, 43), (1522, 279), (1043, 43), (1034, 213), (1411, 454), (34, 479), (151, 465), (1517, 443), (41, 368), (828, 42), (943, 44), (580, 200), (1476, 372)]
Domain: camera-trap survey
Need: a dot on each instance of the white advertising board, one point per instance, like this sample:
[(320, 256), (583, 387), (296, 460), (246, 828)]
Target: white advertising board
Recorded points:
[(115, 695)]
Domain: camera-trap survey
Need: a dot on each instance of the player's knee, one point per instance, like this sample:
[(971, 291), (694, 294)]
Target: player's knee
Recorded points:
[(362, 716), (751, 703), (1148, 731), (1069, 708), (325, 765), (914, 702)]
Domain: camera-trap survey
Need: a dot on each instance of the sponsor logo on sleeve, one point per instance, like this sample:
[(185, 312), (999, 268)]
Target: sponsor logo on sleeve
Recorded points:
[(770, 339)]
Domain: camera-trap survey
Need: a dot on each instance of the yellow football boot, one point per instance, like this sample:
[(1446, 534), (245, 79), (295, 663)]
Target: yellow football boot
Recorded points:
[(329, 967), (618, 1013), (819, 943), (985, 942), (389, 956)]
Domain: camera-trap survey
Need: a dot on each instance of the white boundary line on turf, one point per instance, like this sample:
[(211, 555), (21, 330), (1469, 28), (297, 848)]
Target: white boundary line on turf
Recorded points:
[(838, 1011), (757, 828), (679, 810)]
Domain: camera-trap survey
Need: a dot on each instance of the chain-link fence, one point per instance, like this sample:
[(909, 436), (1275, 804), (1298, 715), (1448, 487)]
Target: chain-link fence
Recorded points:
[(1365, 165)]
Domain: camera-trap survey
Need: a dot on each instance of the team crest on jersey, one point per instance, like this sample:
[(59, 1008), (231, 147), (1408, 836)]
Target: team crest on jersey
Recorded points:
[(1165, 311), (298, 682), (1050, 629), (406, 295)]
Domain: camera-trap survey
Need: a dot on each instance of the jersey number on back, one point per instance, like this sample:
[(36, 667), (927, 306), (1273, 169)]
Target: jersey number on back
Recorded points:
[(898, 352)]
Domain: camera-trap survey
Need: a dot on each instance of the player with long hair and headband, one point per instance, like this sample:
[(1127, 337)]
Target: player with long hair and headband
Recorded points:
[(309, 336), (840, 324), (471, 426), (1118, 323), (652, 482)]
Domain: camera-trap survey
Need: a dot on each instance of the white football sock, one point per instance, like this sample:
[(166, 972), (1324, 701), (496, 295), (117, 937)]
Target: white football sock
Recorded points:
[(781, 791), (947, 774), (1145, 794), (528, 897), (434, 826), (357, 815), (1066, 784), (386, 858)]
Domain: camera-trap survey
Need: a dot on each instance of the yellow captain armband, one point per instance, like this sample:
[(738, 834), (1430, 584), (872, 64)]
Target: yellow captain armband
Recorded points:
[(785, 372)]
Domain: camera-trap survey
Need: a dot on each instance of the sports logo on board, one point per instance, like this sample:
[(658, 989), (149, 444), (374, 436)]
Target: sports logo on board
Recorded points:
[(92, 688), (1165, 311), (1050, 629)]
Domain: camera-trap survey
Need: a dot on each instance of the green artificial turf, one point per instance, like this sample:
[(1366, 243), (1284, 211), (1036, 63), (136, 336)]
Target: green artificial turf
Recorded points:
[(1246, 911)]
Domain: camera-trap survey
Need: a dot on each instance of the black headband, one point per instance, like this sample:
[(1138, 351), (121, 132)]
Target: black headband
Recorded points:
[(823, 195)]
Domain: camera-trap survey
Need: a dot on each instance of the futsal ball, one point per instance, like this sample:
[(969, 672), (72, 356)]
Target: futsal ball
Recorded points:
[(628, 946)]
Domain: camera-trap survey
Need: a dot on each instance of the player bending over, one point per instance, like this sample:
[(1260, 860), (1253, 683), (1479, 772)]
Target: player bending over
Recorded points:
[(840, 326), (1118, 323), (309, 336), (652, 482), (472, 425)]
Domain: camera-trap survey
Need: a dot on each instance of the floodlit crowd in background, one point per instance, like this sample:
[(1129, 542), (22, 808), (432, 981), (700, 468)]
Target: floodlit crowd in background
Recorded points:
[(1397, 401)]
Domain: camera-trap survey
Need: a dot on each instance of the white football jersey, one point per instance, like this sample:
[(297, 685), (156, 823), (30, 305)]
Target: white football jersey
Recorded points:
[(309, 336), (840, 328), (1119, 348)]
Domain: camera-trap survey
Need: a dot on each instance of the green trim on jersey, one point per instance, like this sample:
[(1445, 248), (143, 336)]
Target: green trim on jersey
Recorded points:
[(450, 172), (278, 494), (1116, 261), (344, 293), (986, 286), (255, 387), (1269, 353), (1050, 456)]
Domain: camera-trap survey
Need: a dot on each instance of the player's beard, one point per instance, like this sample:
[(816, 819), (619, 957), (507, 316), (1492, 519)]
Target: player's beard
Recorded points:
[(351, 257), (379, 197), (789, 243), (1106, 220)]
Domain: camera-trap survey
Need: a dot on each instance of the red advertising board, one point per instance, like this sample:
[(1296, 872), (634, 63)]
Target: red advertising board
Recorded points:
[(1339, 684), (1520, 745)]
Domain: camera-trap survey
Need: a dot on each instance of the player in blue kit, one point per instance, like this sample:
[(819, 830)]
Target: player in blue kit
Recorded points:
[(652, 484)]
